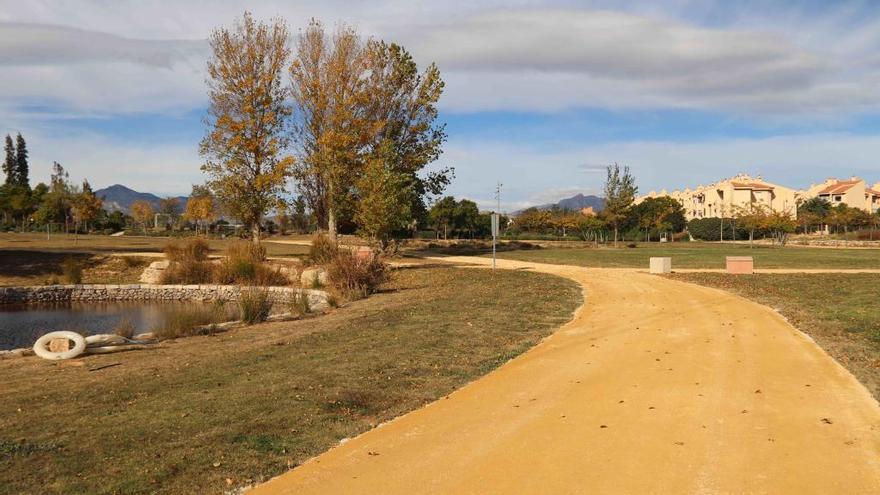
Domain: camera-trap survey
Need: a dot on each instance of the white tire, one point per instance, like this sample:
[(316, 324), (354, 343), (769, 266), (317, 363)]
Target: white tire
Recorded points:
[(41, 346)]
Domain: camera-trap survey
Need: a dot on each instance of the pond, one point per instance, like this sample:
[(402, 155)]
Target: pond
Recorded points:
[(22, 324)]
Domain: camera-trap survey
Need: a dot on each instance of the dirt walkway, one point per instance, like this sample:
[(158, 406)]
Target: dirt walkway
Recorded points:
[(656, 386)]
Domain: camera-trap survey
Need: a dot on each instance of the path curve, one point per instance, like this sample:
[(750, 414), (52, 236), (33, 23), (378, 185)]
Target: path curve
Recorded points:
[(656, 386)]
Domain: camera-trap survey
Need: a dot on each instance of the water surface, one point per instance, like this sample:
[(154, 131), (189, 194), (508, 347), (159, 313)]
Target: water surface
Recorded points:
[(22, 324)]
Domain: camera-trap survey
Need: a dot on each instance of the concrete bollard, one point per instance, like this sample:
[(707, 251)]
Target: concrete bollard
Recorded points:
[(661, 265), (740, 265)]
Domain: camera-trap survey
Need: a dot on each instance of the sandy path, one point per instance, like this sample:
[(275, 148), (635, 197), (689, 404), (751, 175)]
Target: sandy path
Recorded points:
[(656, 386)]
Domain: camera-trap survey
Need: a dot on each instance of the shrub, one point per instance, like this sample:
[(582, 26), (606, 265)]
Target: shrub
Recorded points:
[(125, 328), (254, 306), (72, 271), (299, 303), (322, 250), (244, 264), (193, 249), (188, 262), (187, 321), (356, 277), (709, 229)]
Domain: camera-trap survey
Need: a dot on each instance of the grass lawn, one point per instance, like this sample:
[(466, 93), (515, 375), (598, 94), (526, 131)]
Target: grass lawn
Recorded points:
[(207, 414), (841, 312), (124, 244), (700, 255)]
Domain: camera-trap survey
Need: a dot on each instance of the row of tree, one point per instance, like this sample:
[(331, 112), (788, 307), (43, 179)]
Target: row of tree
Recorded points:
[(817, 213), (350, 119)]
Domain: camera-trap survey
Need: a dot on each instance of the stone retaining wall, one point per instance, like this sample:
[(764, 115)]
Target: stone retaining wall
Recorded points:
[(147, 292)]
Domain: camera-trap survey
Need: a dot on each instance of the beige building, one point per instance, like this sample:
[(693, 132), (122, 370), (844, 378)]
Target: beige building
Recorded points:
[(853, 192), (724, 197)]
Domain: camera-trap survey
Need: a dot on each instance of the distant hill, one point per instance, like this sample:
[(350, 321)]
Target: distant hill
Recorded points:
[(575, 203), (580, 201), (119, 197)]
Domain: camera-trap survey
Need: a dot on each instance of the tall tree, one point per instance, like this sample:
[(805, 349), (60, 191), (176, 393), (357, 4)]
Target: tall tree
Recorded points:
[(142, 212), (55, 206), (170, 208), (247, 138), (332, 124), (85, 206), (442, 215), (620, 192), (384, 206), (21, 162), (200, 207), (359, 101), (9, 164), (403, 107)]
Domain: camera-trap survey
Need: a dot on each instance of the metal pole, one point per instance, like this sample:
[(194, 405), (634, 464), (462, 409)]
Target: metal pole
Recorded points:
[(496, 224)]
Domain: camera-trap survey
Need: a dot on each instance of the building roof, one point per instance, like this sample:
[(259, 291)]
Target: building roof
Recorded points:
[(840, 187), (872, 191), (754, 186)]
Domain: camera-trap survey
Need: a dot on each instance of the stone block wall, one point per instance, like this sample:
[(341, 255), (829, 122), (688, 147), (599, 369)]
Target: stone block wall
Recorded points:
[(148, 292)]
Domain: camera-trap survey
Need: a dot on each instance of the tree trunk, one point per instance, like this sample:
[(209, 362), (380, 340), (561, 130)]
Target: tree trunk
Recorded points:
[(615, 236), (331, 223), (255, 231)]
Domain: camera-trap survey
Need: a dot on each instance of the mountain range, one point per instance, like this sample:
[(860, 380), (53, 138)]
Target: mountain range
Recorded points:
[(119, 197), (574, 203)]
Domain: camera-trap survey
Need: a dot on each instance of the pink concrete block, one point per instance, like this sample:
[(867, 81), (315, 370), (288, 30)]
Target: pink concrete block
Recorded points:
[(740, 265)]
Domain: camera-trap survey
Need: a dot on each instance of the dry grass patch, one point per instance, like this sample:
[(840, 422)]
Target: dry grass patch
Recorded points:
[(255, 402)]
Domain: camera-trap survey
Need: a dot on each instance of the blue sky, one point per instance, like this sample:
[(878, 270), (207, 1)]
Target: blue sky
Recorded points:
[(540, 95)]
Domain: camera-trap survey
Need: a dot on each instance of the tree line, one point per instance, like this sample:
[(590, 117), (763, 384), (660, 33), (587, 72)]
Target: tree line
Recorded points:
[(60, 201)]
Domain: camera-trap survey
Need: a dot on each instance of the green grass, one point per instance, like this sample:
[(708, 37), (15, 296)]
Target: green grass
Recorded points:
[(249, 404), (700, 255), (841, 312)]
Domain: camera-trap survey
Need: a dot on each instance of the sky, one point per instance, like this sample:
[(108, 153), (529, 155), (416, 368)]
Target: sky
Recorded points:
[(540, 96)]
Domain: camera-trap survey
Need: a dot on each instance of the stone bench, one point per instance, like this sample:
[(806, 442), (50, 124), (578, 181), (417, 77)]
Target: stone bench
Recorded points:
[(740, 265), (661, 265)]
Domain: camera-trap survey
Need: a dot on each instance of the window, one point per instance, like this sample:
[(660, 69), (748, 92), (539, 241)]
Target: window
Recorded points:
[(838, 198)]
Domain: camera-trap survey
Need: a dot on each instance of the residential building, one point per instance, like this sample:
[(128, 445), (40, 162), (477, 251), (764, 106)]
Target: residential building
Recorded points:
[(724, 197), (853, 192)]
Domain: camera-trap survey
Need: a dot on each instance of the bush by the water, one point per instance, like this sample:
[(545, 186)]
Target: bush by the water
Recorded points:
[(191, 320), (254, 306), (188, 262), (72, 271), (244, 263), (322, 250), (299, 303), (356, 277), (125, 328)]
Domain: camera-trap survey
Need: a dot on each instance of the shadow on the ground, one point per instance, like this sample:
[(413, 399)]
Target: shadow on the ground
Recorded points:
[(39, 263)]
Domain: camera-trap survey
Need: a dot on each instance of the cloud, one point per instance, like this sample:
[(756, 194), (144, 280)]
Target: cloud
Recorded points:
[(54, 69), (144, 56), (27, 44), (549, 60)]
